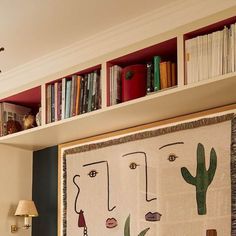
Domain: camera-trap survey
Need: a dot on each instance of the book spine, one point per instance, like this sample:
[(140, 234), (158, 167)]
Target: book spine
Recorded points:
[(52, 103), (56, 101), (98, 92), (48, 101), (149, 77), (169, 74), (85, 94), (157, 85), (72, 95), (75, 94), (163, 73), (90, 91), (81, 95), (77, 102), (68, 98), (59, 100), (93, 105), (173, 74), (63, 99)]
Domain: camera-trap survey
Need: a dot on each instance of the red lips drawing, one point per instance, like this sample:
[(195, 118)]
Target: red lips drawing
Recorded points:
[(111, 223)]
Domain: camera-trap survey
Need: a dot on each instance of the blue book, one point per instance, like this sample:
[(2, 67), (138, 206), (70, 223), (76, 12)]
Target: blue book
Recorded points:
[(68, 98)]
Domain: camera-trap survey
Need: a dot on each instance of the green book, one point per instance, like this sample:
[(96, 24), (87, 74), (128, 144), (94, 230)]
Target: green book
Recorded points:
[(157, 61)]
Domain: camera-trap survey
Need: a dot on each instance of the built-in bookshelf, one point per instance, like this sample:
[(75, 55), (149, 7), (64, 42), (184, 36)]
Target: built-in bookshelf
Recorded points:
[(151, 69), (99, 96)]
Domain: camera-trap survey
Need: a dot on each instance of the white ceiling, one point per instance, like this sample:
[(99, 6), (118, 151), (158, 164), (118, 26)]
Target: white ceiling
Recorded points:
[(30, 29)]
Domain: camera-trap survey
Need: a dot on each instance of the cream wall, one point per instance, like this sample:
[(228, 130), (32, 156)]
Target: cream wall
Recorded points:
[(15, 184)]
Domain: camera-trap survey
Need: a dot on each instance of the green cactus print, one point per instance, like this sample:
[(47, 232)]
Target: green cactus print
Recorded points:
[(127, 228), (203, 177)]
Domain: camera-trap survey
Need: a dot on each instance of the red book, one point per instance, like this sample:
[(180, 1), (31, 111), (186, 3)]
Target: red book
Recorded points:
[(134, 82)]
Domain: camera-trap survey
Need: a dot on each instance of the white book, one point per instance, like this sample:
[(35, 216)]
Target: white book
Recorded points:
[(188, 60), (199, 58), (225, 50), (194, 65), (55, 100), (63, 98), (220, 51), (204, 57), (214, 54), (209, 54), (231, 49)]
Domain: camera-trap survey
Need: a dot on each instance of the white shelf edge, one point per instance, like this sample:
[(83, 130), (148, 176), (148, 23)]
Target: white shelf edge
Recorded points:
[(136, 112)]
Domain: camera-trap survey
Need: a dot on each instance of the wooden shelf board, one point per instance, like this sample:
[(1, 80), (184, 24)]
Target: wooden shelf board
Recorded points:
[(170, 103)]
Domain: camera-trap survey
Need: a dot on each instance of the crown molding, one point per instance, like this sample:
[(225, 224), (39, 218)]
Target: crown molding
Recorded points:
[(153, 23)]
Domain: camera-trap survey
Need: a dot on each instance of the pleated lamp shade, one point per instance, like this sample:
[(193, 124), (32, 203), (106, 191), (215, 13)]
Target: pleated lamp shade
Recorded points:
[(26, 208)]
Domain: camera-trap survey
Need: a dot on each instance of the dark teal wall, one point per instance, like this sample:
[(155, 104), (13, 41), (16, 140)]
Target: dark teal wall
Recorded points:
[(44, 193)]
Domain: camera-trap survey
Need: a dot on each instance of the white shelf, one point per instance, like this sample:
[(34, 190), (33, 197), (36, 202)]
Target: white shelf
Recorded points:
[(170, 103)]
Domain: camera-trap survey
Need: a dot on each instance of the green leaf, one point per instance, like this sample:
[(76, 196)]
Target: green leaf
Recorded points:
[(127, 227), (143, 232)]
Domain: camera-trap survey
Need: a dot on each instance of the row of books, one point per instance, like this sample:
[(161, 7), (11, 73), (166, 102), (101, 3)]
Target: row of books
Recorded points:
[(159, 75), (211, 55), (72, 96), (9, 111)]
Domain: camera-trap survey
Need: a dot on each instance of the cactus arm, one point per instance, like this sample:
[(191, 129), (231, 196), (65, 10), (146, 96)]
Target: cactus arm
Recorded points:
[(213, 164), (127, 227), (187, 176), (201, 167)]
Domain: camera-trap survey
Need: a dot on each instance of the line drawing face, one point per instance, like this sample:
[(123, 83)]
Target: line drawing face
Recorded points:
[(110, 222), (93, 174), (133, 166), (150, 216)]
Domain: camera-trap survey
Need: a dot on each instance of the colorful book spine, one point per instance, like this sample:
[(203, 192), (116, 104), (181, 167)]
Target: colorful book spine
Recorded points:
[(63, 99), (150, 77), (52, 103), (77, 102), (89, 85), (156, 65), (84, 109), (68, 98), (59, 100), (56, 101), (48, 102)]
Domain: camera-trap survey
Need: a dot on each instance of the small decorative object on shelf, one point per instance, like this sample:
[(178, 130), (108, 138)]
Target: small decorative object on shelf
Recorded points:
[(134, 83), (38, 117), (13, 126), (29, 121)]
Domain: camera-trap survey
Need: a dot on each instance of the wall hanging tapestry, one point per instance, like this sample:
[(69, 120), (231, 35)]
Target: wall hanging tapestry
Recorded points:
[(173, 181)]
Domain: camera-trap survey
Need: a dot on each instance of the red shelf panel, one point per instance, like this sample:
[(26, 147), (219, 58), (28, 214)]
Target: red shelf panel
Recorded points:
[(210, 28), (30, 98)]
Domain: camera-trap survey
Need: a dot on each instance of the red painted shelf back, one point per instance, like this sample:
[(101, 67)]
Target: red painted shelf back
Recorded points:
[(210, 28), (29, 98)]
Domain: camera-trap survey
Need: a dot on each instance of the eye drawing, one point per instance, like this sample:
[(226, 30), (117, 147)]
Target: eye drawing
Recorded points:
[(172, 157), (133, 165), (92, 173)]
